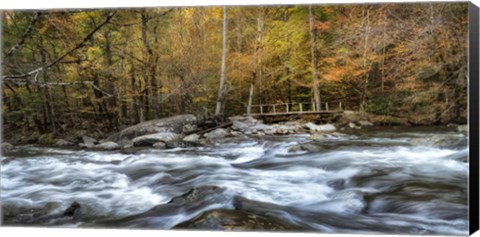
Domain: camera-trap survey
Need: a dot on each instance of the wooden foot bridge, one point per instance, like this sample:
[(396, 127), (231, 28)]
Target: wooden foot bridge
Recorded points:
[(288, 109)]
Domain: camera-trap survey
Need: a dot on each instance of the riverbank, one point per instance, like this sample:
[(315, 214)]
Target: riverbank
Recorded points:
[(186, 130)]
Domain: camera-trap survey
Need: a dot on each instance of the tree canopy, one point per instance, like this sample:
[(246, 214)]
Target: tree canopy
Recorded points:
[(108, 68)]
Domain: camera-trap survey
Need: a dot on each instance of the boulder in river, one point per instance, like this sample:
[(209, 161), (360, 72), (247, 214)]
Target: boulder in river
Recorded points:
[(88, 142), (192, 139), (63, 143), (365, 123), (216, 134), (159, 145), (108, 146), (174, 124), (462, 128), (313, 128), (72, 210), (6, 147), (353, 126), (244, 124), (150, 139), (224, 219)]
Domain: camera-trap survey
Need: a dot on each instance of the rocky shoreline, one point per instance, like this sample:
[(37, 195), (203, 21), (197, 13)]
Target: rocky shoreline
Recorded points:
[(183, 131)]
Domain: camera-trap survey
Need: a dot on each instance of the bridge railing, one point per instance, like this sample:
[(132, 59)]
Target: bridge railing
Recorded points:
[(295, 108)]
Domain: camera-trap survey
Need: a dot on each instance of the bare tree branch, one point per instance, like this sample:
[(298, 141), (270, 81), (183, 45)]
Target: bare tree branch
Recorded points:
[(24, 37), (80, 45)]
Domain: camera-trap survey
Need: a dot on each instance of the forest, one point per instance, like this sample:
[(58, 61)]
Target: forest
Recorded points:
[(156, 118), (105, 69)]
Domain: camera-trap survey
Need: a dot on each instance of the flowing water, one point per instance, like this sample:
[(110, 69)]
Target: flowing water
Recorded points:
[(371, 181)]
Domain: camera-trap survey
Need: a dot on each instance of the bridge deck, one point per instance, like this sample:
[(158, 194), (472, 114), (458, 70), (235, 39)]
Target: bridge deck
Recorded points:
[(297, 113), (293, 109)]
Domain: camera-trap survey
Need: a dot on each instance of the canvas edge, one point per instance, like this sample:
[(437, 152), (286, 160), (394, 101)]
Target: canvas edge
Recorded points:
[(473, 67)]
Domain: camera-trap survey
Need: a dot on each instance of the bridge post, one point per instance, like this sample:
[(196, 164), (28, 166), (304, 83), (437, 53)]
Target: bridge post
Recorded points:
[(301, 108), (286, 106), (274, 110), (314, 107), (326, 106), (340, 105), (261, 109)]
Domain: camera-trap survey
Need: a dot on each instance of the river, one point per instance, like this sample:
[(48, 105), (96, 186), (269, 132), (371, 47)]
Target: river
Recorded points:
[(367, 181)]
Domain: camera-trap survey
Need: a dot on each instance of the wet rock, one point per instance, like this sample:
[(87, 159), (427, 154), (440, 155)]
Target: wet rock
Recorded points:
[(337, 184), (108, 146), (125, 143), (295, 148), (312, 127), (448, 142), (282, 129), (365, 123), (240, 126), (173, 124), (353, 126), (304, 147), (197, 194), (149, 140), (189, 128), (245, 125), (462, 128), (192, 139), (325, 136), (13, 214), (88, 142), (223, 219), (6, 147), (196, 199), (327, 128), (216, 134), (72, 209), (159, 145), (63, 143)]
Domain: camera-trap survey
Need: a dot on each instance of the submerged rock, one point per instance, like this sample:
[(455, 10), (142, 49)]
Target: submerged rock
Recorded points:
[(13, 214), (196, 199), (448, 142), (72, 210), (337, 184), (149, 140), (223, 219)]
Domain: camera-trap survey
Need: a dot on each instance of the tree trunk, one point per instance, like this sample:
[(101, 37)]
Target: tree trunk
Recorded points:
[(48, 95), (147, 58), (366, 24), (136, 115), (153, 79), (257, 74), (110, 86), (221, 90), (313, 39)]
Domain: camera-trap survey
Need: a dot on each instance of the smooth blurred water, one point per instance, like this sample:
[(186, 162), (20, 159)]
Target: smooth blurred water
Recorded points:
[(375, 181)]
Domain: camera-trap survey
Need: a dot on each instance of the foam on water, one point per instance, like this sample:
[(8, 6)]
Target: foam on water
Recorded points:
[(117, 185)]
